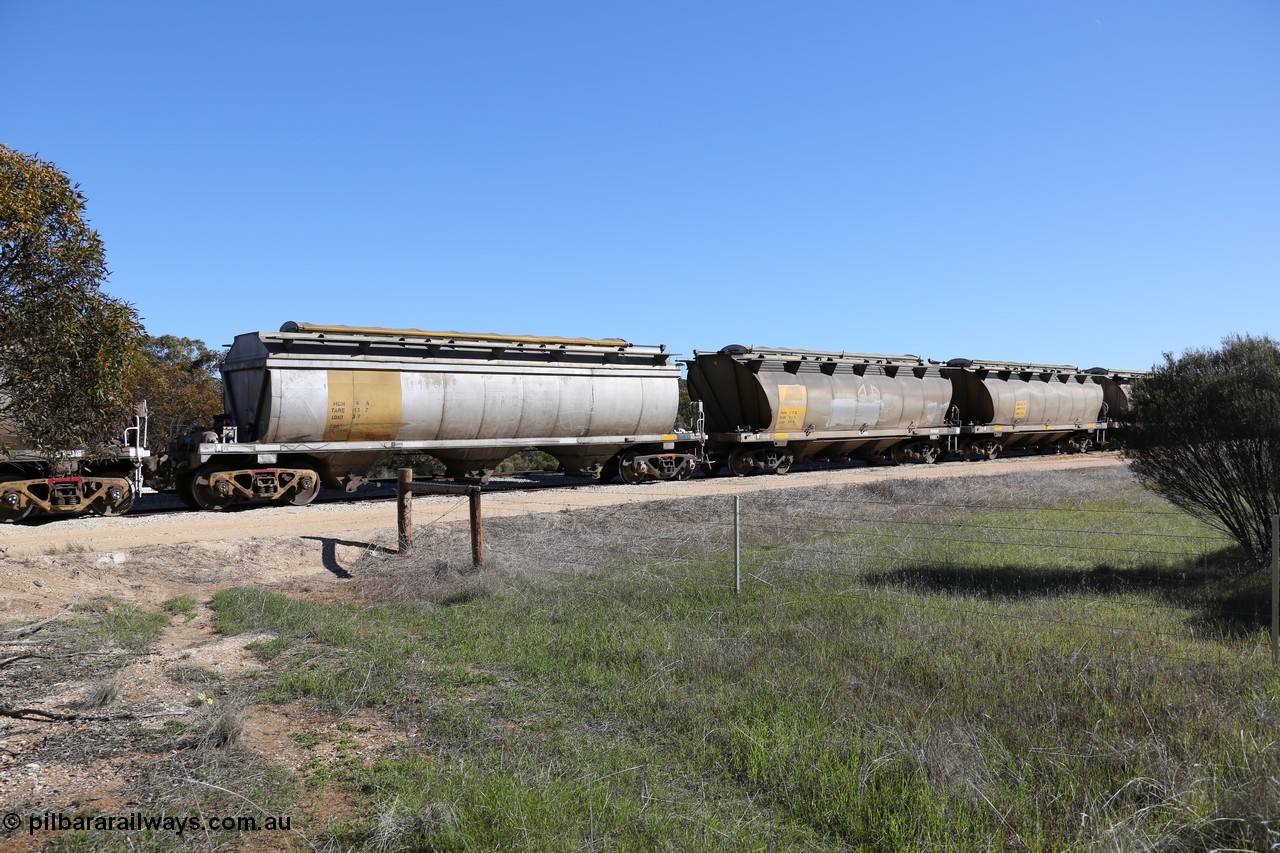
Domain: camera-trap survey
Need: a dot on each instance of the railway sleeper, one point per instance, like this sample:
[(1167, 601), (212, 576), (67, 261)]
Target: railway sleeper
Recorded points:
[(65, 495)]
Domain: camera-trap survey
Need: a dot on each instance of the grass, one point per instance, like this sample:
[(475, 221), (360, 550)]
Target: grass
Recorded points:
[(896, 674), (93, 642), (181, 605), (110, 624)]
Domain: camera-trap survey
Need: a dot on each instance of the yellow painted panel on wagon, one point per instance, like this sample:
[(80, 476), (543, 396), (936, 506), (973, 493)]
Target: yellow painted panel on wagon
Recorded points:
[(793, 403), (1019, 410), (364, 405)]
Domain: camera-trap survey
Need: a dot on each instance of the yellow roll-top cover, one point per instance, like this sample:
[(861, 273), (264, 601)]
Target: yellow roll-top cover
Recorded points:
[(315, 328)]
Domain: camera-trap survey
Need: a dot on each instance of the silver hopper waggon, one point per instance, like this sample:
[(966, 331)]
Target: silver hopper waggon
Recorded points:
[(312, 405)]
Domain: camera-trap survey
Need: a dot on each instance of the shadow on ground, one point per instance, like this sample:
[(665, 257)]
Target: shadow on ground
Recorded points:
[(329, 552), (1223, 597)]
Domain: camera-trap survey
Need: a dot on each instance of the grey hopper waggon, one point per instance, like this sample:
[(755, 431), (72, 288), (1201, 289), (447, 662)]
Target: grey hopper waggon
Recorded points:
[(1044, 407), (768, 408), (1004, 405)]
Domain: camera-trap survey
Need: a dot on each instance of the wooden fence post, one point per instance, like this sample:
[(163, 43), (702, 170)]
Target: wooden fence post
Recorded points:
[(406, 489), (477, 530), (404, 509)]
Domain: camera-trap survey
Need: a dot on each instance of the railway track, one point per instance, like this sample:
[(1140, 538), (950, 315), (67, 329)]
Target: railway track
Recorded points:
[(377, 490), (369, 518), (383, 489)]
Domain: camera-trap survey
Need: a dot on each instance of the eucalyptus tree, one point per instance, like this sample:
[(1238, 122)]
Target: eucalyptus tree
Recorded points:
[(67, 349)]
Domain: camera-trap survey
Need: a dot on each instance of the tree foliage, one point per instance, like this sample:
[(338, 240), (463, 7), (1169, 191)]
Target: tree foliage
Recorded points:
[(66, 348), (684, 409), (178, 377), (1204, 431)]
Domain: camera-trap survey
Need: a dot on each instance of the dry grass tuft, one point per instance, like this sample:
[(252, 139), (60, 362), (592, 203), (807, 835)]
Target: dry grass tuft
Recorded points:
[(225, 727), (102, 694), (397, 825)]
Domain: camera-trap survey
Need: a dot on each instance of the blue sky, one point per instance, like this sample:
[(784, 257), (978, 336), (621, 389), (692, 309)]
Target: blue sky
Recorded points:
[(1065, 182)]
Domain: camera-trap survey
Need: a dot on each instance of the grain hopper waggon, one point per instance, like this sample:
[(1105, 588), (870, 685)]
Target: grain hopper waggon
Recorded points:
[(1004, 405), (767, 408), (1117, 390), (312, 405)]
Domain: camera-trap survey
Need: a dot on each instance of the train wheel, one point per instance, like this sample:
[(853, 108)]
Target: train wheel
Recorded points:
[(182, 487), (203, 492), (740, 462), (9, 513), (608, 471), (983, 450), (308, 488), (120, 508), (784, 466), (627, 470)]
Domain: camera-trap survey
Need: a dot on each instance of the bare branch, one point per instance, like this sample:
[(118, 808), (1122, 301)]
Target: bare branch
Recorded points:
[(38, 715), (27, 630)]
